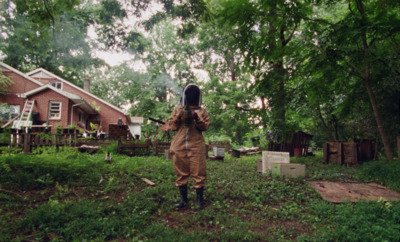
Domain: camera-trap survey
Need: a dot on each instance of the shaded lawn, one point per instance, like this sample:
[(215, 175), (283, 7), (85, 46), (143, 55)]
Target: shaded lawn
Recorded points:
[(74, 196)]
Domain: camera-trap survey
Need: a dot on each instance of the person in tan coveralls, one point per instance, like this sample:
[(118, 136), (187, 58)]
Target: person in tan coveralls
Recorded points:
[(188, 151)]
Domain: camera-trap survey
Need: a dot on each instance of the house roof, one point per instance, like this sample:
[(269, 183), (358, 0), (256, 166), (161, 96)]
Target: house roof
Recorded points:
[(47, 74), (74, 98), (4, 66)]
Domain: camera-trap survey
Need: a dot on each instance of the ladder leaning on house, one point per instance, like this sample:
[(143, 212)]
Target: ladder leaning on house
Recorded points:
[(23, 120)]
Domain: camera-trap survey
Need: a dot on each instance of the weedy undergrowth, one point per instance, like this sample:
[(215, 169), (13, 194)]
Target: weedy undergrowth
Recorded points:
[(69, 195)]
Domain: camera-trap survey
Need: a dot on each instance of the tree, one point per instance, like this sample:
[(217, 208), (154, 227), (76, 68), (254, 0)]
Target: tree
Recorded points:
[(152, 92), (362, 45), (49, 34), (5, 82), (53, 34), (168, 60), (263, 31), (126, 88), (227, 95)]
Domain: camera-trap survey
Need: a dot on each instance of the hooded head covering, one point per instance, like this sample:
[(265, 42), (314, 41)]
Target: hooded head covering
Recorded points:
[(191, 96)]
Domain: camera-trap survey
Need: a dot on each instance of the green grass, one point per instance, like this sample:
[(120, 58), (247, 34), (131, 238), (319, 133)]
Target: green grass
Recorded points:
[(79, 197)]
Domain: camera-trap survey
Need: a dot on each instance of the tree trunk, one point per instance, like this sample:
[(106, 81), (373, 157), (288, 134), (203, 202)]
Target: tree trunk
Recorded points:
[(366, 79), (378, 119), (279, 99)]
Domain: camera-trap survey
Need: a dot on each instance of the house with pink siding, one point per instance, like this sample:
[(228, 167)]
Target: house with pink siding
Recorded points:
[(58, 102)]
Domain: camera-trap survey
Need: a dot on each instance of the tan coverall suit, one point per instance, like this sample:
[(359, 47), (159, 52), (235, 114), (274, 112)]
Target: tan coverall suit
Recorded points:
[(188, 151)]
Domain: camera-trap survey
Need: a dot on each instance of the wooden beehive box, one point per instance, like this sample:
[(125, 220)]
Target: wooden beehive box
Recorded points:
[(219, 144), (349, 153)]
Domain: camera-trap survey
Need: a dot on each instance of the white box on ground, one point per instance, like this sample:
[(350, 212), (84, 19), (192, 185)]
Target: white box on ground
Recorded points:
[(218, 152), (272, 157)]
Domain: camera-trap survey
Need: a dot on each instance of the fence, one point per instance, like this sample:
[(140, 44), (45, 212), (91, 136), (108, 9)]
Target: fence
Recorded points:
[(29, 141), (132, 148)]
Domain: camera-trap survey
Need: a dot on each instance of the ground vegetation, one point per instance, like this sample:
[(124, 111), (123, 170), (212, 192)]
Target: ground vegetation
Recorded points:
[(76, 196)]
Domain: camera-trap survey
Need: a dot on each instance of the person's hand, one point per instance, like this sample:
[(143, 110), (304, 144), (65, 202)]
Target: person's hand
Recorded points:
[(195, 115), (180, 114)]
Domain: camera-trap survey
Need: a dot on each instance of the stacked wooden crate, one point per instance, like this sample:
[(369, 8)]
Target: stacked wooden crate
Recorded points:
[(349, 153)]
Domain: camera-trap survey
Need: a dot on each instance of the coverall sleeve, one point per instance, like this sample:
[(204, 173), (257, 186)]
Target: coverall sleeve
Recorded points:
[(203, 120), (174, 121)]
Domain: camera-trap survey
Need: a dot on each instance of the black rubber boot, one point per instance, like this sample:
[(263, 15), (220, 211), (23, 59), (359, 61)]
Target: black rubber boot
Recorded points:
[(184, 199), (200, 199)]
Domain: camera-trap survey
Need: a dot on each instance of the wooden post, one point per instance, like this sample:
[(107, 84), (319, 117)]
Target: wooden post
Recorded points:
[(58, 141), (19, 140), (12, 139), (108, 157), (340, 152), (119, 146), (167, 154), (27, 143)]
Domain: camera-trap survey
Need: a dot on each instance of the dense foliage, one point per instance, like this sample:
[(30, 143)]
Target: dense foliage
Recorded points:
[(73, 196), (326, 67)]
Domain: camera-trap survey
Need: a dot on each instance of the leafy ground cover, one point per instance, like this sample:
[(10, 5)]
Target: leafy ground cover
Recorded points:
[(76, 196)]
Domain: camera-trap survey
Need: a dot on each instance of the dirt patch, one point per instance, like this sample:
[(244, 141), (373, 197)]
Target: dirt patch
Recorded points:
[(338, 192)]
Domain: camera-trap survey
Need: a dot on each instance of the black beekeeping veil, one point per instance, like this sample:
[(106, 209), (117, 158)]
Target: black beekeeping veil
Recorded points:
[(191, 96)]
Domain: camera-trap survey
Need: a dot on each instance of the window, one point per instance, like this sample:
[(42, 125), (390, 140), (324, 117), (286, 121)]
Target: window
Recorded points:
[(56, 84), (55, 110)]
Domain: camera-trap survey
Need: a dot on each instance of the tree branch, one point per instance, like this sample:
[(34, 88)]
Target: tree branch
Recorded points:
[(350, 8), (51, 16), (290, 36), (355, 68)]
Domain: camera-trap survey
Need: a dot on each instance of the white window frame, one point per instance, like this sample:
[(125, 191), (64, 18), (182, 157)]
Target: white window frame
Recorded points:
[(59, 110), (57, 85)]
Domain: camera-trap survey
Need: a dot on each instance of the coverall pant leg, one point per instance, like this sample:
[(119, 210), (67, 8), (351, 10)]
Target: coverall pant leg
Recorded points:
[(189, 163)]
